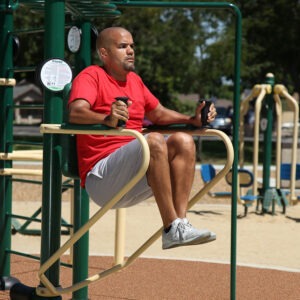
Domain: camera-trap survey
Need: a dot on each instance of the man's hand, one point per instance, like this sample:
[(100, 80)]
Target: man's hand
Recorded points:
[(197, 121), (119, 111)]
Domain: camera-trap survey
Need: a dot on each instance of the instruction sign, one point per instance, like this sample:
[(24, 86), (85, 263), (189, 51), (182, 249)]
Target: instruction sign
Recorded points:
[(55, 74)]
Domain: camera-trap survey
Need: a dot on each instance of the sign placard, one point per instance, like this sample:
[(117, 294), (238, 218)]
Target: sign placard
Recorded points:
[(74, 39), (55, 74)]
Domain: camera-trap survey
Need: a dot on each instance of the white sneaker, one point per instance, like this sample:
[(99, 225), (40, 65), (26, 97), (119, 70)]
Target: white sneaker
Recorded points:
[(182, 233), (211, 238)]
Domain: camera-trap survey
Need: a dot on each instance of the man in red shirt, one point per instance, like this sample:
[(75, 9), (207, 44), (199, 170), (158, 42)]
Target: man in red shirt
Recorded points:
[(107, 163)]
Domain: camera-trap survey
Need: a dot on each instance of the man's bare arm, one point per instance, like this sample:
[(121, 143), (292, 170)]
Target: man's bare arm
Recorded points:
[(80, 113), (164, 116)]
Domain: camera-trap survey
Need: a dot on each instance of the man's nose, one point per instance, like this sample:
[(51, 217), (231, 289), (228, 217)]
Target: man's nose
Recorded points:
[(130, 49)]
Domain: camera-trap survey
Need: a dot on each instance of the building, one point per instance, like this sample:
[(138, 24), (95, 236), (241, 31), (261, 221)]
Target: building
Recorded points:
[(28, 103)]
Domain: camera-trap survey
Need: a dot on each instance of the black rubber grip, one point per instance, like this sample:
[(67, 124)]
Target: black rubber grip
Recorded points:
[(124, 99), (204, 112)]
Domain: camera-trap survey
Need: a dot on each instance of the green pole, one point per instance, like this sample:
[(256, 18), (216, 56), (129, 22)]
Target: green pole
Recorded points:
[(83, 56), (6, 136), (236, 122), (51, 197), (81, 248), (267, 146), (81, 199)]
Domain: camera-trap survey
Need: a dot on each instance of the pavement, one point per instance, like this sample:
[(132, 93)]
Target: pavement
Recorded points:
[(268, 256), (268, 253), (262, 241)]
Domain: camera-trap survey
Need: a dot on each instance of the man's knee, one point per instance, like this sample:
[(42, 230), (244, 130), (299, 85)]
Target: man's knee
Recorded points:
[(181, 140), (156, 142)]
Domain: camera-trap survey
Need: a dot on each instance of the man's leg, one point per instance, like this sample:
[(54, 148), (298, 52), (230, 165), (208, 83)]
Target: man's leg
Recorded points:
[(170, 175), (181, 153), (159, 178)]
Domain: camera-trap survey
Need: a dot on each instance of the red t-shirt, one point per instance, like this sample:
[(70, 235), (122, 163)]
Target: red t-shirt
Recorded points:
[(100, 89)]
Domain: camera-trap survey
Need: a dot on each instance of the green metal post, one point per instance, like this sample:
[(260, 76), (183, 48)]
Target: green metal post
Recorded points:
[(51, 198), (81, 248), (267, 146), (6, 135), (83, 56), (81, 200), (236, 122)]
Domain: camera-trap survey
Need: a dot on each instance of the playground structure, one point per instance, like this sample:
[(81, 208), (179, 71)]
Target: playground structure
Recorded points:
[(268, 96), (52, 152)]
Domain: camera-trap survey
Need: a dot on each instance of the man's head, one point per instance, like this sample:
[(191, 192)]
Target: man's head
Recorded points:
[(115, 49)]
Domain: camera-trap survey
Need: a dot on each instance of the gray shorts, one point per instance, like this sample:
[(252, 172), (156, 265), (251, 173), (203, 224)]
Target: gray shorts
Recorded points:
[(110, 174)]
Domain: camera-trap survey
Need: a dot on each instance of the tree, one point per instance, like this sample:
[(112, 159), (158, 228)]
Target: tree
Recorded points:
[(30, 52), (171, 48), (192, 50), (271, 41)]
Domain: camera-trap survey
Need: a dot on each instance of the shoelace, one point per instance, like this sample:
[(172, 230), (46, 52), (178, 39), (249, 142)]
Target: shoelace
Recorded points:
[(188, 224), (180, 227)]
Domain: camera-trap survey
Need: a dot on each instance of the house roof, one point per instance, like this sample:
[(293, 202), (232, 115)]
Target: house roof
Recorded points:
[(25, 91)]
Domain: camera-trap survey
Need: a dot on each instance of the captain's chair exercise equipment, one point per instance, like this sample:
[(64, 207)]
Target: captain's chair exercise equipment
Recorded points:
[(70, 168)]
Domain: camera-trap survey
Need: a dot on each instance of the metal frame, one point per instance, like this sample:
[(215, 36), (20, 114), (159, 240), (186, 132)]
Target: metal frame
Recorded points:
[(49, 289), (262, 91), (54, 47)]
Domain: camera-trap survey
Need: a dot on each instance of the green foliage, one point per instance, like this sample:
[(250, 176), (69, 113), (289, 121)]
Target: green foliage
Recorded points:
[(31, 50), (271, 41), (192, 50)]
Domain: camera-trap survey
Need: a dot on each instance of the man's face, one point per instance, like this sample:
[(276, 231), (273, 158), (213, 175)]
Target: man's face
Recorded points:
[(120, 53)]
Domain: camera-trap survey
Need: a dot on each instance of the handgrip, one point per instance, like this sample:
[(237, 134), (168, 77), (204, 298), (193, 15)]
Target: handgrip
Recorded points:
[(124, 99), (204, 112)]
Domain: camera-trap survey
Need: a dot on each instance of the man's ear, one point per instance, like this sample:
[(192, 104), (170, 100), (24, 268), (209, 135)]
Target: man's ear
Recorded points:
[(102, 52)]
